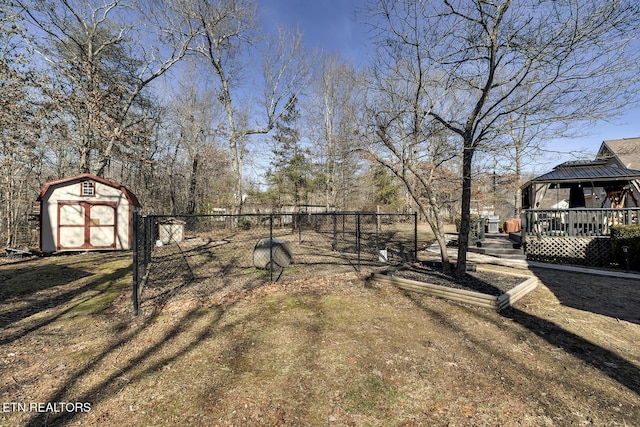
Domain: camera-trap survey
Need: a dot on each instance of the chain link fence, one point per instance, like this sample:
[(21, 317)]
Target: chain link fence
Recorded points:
[(205, 254)]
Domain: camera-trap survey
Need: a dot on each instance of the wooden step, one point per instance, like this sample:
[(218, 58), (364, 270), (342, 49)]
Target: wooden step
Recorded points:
[(500, 246)]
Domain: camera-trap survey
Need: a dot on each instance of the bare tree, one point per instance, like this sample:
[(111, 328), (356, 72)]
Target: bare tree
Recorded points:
[(523, 141), (333, 123), (555, 61), (226, 35), (21, 121), (181, 166), (405, 139), (406, 142), (103, 60), (198, 122)]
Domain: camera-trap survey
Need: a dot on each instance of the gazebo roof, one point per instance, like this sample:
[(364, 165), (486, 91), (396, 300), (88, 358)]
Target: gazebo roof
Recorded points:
[(588, 171)]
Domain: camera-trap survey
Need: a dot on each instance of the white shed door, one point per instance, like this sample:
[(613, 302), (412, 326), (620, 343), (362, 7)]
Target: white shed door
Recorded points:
[(71, 226), (102, 226), (86, 225)]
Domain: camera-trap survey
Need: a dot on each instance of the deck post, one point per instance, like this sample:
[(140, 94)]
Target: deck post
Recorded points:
[(523, 229)]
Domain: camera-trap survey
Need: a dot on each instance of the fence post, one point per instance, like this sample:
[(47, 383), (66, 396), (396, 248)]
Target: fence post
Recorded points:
[(299, 219), (271, 247), (134, 247), (358, 237), (149, 236), (334, 243), (415, 236), (377, 233)]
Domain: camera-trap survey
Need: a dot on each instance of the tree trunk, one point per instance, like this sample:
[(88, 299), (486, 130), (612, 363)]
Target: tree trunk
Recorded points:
[(191, 208), (465, 222), (8, 208), (236, 165), (437, 227), (84, 159), (235, 147), (105, 156), (518, 182)]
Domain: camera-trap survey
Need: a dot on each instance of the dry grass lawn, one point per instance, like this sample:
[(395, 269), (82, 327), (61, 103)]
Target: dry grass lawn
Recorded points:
[(335, 350)]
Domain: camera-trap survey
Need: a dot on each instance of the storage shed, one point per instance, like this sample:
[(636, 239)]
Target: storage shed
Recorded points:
[(85, 212)]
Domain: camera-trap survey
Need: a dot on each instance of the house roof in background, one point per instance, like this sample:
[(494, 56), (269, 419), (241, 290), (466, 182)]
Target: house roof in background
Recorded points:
[(626, 151)]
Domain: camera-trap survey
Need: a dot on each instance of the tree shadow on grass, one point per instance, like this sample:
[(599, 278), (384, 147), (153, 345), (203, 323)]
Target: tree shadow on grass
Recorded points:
[(602, 359), (189, 332), (609, 363), (28, 279), (569, 292), (180, 268), (109, 385), (614, 297), (46, 302)]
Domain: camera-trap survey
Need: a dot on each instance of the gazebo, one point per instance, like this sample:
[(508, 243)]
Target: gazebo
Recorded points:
[(568, 212), (586, 184)]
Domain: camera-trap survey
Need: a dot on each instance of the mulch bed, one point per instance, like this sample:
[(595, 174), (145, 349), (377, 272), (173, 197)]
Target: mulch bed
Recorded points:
[(479, 281)]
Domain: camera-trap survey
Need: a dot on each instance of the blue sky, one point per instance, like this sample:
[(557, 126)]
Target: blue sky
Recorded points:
[(331, 25), (328, 25)]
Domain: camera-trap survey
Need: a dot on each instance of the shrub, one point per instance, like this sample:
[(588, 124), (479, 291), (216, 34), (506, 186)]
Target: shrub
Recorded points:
[(626, 235), (458, 219), (244, 223)]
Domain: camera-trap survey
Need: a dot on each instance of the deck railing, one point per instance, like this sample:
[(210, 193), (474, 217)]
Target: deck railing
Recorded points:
[(575, 222)]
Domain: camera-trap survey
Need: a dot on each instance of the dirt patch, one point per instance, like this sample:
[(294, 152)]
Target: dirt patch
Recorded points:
[(333, 350)]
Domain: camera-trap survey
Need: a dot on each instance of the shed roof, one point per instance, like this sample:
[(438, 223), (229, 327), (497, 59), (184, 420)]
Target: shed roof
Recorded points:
[(132, 198)]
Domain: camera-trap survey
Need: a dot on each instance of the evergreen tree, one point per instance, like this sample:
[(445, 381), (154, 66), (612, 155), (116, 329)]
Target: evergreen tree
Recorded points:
[(386, 191), (289, 177)]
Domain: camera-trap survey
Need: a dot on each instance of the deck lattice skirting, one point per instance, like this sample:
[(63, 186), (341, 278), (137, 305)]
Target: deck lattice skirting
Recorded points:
[(470, 297), (588, 251)]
